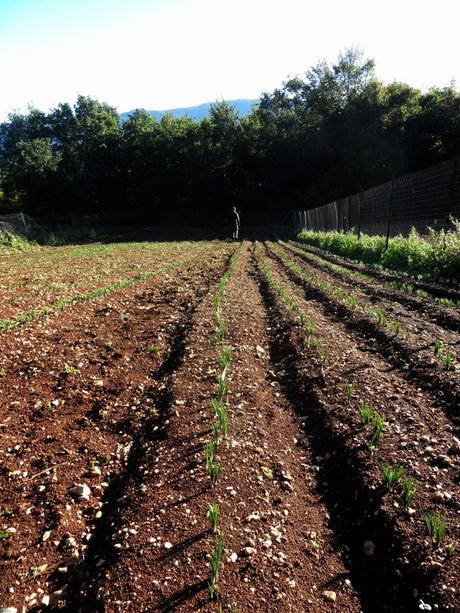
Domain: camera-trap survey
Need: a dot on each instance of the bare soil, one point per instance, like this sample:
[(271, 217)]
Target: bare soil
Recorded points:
[(114, 394)]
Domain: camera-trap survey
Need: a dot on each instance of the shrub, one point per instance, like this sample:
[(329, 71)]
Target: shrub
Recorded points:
[(435, 258)]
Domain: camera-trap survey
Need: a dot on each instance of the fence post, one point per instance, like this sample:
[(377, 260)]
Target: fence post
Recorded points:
[(24, 222), (359, 216), (390, 205), (453, 176)]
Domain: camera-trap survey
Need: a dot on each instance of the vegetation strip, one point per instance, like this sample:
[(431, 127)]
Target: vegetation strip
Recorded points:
[(436, 259), (219, 408)]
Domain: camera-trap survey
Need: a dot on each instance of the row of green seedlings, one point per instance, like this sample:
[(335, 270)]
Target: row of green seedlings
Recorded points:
[(221, 328), (393, 475), (219, 430), (405, 286), (6, 324), (434, 524), (310, 341), (444, 355)]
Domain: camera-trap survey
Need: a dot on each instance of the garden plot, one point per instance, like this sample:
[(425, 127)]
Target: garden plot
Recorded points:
[(228, 436), (43, 279)]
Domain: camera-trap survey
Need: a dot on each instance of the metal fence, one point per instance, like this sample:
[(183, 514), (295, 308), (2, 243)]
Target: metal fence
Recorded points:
[(16, 223), (421, 200)]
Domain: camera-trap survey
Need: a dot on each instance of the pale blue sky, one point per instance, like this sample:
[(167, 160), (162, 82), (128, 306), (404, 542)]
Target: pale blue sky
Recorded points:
[(161, 54)]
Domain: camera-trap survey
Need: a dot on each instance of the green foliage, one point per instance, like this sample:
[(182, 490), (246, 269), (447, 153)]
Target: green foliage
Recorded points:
[(213, 515), (8, 240), (407, 491), (377, 432), (434, 259), (4, 535), (367, 413), (153, 348), (349, 391), (435, 527), (225, 357), (392, 474), (215, 563), (69, 371), (80, 157)]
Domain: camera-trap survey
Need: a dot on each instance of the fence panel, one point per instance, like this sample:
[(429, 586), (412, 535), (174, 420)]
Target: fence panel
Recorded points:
[(421, 200)]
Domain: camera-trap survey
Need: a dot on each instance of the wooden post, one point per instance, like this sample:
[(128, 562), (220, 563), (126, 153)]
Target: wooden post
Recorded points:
[(359, 216), (390, 205)]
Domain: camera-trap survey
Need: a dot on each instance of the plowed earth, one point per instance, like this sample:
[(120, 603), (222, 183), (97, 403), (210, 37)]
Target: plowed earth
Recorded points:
[(112, 396)]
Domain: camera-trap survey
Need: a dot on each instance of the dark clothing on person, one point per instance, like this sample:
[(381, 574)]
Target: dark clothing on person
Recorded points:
[(236, 224)]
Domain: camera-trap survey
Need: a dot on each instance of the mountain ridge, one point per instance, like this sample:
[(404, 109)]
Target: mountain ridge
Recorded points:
[(242, 105)]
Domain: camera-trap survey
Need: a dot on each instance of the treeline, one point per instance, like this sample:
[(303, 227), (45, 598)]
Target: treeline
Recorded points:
[(336, 131)]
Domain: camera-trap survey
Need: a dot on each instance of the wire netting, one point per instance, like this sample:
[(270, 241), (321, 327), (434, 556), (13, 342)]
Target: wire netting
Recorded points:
[(421, 200), (17, 223)]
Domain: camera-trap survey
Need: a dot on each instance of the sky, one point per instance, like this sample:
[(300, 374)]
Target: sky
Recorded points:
[(160, 54)]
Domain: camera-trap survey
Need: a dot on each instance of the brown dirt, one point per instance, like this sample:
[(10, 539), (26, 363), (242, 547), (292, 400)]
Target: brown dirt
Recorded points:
[(300, 493)]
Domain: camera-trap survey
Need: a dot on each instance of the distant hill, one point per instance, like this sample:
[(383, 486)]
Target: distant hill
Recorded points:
[(199, 112)]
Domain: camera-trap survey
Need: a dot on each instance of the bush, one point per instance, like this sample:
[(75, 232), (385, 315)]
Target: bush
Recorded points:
[(10, 240), (437, 258)]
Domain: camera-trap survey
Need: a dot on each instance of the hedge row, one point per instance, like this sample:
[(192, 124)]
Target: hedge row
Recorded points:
[(436, 258)]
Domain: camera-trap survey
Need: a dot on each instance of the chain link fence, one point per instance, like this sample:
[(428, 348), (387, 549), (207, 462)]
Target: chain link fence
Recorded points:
[(17, 223), (421, 200)]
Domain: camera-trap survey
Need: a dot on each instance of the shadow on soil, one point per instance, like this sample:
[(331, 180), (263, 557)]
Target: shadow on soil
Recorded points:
[(355, 510)]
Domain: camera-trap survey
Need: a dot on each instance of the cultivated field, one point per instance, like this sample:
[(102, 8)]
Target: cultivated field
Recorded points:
[(218, 426)]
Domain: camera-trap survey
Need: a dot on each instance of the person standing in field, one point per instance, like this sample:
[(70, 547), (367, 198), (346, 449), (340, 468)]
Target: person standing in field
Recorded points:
[(236, 224)]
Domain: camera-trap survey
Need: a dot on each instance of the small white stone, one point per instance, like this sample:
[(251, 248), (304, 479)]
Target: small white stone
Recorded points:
[(168, 545), (46, 535), (329, 595)]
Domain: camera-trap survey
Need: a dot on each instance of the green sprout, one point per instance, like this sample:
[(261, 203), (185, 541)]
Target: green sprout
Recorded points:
[(222, 416), (437, 347), (213, 514), (210, 448), (225, 357), (448, 359), (216, 558), (222, 387), (407, 491), (221, 331), (349, 391), (382, 317), (352, 302), (435, 527), (68, 371), (367, 413), (214, 471), (392, 474), (377, 433), (153, 348)]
